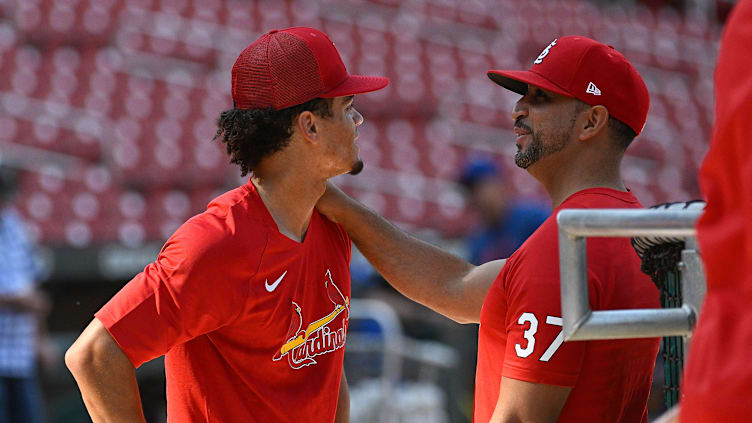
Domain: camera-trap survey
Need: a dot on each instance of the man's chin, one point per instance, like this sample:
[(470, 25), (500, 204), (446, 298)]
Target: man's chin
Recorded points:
[(522, 161), (357, 167)]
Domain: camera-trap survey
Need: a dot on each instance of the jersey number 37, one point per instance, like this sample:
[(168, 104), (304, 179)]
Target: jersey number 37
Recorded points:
[(529, 336)]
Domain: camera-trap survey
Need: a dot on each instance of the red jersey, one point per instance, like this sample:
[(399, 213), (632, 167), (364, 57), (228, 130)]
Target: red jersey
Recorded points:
[(252, 323), (520, 333), (717, 381)]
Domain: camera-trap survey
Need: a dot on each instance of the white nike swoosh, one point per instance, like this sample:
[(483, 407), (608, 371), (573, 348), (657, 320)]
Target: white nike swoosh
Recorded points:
[(273, 286)]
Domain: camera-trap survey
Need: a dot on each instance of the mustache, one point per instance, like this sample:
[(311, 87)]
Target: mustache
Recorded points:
[(519, 125)]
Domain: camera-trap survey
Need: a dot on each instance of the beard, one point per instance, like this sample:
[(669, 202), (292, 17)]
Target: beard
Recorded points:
[(357, 167), (542, 146)]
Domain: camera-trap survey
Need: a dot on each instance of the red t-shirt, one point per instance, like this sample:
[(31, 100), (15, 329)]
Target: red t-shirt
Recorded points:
[(717, 382), (252, 323), (520, 324)]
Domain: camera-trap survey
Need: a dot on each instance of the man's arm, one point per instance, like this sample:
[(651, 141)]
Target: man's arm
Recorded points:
[(521, 401), (420, 271), (343, 402), (105, 376)]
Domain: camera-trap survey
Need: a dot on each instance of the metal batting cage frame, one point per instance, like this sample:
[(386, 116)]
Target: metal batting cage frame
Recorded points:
[(682, 283)]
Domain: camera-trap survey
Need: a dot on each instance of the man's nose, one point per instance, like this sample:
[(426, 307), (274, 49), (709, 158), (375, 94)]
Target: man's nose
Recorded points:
[(519, 110), (357, 117)]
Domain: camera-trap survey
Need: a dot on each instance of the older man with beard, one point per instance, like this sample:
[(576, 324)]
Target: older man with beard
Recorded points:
[(582, 105)]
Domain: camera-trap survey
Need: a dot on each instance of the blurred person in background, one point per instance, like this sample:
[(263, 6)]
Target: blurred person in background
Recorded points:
[(505, 221), (23, 308), (582, 105), (248, 301)]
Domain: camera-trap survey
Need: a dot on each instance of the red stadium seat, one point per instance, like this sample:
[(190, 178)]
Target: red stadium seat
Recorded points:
[(131, 90)]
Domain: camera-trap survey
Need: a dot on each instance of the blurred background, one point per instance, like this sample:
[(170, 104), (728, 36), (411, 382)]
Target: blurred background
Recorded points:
[(107, 111)]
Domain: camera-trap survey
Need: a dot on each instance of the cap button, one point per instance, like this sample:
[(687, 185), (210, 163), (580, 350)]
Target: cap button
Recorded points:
[(273, 31)]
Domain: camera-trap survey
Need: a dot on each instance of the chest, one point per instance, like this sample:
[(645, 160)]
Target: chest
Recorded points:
[(298, 305)]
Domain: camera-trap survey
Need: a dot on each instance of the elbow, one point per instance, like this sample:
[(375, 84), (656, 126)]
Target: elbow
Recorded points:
[(460, 320), (464, 312), (89, 354), (95, 353), (456, 309), (464, 320), (464, 315), (78, 357)]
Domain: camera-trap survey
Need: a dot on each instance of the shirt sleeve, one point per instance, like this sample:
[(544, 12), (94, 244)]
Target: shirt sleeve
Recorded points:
[(195, 286), (535, 351)]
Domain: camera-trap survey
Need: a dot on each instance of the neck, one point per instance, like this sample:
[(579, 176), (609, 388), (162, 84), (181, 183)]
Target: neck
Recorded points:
[(290, 196), (566, 179)]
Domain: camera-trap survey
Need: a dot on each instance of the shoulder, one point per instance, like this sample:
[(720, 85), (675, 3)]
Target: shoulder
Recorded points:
[(228, 230)]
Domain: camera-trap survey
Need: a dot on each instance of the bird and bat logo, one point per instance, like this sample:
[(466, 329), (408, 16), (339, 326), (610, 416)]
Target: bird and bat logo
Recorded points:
[(319, 337)]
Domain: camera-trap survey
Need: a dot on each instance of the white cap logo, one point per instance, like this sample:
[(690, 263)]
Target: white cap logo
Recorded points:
[(592, 89), (545, 51)]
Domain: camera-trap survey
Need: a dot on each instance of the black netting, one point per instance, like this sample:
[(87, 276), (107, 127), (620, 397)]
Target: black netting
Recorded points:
[(661, 262), (672, 347)]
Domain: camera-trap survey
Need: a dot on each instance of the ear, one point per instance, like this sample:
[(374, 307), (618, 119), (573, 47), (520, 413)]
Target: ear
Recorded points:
[(594, 121), (305, 124)]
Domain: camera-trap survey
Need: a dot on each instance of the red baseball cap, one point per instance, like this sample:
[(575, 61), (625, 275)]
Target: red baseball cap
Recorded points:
[(589, 71), (290, 66)]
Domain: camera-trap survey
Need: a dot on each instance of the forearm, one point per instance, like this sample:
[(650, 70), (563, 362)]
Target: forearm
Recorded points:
[(417, 269), (105, 377)]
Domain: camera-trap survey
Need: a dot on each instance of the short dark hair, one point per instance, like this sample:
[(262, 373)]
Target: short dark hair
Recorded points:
[(620, 131), (252, 134)]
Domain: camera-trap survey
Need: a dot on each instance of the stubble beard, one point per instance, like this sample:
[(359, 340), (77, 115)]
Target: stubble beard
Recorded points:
[(539, 148), (533, 153)]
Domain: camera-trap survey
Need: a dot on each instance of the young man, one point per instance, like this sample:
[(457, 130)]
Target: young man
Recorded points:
[(249, 301), (582, 104)]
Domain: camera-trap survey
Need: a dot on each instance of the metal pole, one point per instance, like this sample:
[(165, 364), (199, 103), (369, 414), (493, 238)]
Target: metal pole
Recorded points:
[(642, 323), (579, 321), (603, 222), (575, 301)]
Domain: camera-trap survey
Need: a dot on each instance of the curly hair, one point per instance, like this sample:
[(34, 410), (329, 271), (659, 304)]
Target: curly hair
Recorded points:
[(252, 134)]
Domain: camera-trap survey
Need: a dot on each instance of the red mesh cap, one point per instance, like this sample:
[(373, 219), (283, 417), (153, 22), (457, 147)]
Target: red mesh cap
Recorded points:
[(288, 67), (587, 70)]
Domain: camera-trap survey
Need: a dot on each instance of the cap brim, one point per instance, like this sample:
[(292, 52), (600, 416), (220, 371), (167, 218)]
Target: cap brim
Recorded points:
[(357, 84), (517, 81)]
